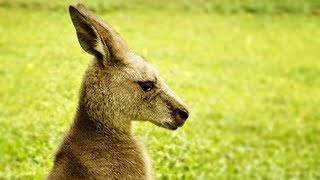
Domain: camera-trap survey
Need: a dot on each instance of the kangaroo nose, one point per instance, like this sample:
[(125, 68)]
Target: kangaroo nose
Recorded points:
[(183, 113)]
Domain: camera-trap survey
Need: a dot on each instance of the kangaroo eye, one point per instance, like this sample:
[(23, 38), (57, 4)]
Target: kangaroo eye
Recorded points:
[(146, 86)]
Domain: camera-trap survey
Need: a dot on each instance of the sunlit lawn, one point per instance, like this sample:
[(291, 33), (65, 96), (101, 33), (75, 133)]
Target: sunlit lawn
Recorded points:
[(252, 83)]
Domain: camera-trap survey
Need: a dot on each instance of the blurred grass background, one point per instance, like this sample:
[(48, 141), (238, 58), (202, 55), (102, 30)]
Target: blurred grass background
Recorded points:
[(249, 71), (220, 6)]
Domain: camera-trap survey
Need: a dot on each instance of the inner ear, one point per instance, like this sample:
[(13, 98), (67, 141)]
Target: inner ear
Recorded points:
[(102, 52)]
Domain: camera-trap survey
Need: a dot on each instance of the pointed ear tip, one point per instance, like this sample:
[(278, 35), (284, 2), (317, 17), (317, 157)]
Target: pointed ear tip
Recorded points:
[(77, 8), (72, 9)]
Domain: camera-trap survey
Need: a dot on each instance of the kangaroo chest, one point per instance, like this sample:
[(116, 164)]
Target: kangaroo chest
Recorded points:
[(111, 157)]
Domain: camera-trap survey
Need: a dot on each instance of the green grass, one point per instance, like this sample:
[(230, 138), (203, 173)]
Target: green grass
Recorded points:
[(252, 83), (221, 6)]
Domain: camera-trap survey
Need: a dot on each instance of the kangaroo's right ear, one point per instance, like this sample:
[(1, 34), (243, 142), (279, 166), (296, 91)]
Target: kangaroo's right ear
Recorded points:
[(89, 37)]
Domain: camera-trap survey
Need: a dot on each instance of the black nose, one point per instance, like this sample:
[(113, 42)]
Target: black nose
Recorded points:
[(183, 113)]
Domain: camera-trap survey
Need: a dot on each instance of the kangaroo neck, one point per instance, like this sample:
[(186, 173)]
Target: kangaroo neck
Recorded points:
[(103, 126)]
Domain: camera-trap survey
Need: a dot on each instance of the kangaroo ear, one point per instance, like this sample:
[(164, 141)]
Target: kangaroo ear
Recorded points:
[(88, 36), (96, 37)]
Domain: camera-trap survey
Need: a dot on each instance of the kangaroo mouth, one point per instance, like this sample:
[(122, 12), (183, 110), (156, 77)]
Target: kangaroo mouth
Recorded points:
[(171, 126), (167, 125), (174, 124)]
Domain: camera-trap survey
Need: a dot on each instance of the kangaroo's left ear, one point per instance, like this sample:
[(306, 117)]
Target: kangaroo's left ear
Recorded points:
[(98, 38)]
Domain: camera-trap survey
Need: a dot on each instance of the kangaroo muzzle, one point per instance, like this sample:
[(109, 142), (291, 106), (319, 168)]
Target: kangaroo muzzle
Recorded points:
[(180, 116)]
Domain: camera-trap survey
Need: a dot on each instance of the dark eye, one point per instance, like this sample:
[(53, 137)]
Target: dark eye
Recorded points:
[(146, 86)]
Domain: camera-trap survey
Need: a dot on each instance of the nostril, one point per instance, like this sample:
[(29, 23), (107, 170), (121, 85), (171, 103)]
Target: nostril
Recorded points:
[(183, 113)]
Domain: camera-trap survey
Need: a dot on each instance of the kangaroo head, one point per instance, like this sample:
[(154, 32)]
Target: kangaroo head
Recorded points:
[(119, 85)]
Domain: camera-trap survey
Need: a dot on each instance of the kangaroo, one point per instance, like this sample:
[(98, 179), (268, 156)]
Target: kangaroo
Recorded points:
[(118, 87)]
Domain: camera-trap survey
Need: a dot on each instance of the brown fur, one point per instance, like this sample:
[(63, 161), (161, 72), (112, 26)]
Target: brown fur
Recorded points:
[(100, 143)]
